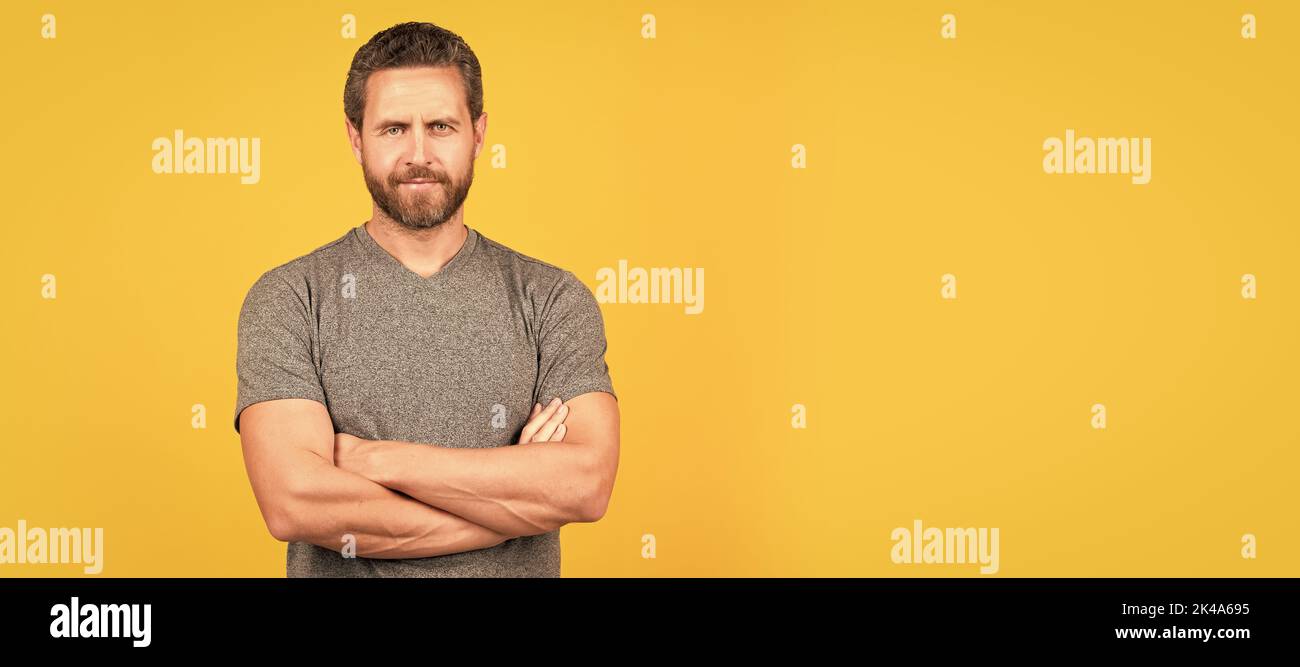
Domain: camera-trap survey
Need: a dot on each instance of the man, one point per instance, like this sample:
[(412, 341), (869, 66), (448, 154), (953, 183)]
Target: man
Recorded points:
[(417, 399)]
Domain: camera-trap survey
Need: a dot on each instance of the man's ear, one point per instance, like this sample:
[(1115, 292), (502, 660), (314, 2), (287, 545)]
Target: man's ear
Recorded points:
[(354, 139), (480, 133)]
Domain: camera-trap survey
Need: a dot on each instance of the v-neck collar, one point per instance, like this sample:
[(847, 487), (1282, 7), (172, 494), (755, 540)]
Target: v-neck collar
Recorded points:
[(384, 257)]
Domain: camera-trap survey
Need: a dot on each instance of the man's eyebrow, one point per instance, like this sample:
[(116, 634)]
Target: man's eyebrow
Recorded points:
[(446, 120)]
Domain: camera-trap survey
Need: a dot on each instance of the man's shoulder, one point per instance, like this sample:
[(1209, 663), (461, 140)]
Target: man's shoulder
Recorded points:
[(311, 263), (305, 271), (528, 270)]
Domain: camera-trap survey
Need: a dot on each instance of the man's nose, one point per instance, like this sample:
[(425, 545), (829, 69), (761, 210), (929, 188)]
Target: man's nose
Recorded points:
[(418, 155)]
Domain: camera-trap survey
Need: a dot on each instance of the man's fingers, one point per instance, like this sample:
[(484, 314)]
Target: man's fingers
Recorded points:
[(553, 422), (532, 425), (545, 424), (538, 420)]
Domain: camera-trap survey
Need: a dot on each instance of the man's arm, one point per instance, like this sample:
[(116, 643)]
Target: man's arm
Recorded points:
[(523, 489), (289, 454)]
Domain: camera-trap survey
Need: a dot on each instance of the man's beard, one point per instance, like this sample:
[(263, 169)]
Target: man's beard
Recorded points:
[(419, 210)]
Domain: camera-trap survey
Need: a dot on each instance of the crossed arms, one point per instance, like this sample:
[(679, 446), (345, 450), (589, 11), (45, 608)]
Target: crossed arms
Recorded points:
[(408, 500)]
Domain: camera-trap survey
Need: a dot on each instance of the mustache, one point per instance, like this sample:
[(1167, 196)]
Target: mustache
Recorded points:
[(441, 178)]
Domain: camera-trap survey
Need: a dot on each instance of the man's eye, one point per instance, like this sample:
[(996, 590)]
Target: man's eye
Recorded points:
[(441, 124), (392, 128)]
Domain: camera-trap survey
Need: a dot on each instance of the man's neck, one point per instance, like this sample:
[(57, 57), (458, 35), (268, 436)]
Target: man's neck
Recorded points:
[(423, 251)]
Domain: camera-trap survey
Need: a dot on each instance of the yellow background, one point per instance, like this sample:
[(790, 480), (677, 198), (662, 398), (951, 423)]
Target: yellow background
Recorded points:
[(822, 284)]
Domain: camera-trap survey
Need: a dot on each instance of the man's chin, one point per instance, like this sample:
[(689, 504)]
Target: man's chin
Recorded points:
[(420, 223)]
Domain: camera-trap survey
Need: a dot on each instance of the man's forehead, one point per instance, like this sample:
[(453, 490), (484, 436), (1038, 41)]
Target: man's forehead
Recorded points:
[(428, 91)]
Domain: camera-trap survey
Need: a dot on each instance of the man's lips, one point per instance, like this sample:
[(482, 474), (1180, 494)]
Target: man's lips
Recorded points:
[(420, 180)]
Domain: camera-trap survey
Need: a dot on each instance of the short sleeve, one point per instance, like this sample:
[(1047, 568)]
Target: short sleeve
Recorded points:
[(571, 344), (274, 358)]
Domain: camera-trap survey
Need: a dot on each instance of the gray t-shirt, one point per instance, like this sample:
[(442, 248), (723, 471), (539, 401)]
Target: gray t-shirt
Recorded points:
[(456, 359)]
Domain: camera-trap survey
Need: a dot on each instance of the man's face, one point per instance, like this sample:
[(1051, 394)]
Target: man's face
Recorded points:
[(416, 127)]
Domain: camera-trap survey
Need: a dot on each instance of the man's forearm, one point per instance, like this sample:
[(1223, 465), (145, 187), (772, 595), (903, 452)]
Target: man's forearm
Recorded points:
[(327, 503), (521, 489)]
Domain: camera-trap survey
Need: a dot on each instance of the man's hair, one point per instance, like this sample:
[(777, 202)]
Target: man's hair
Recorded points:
[(412, 44)]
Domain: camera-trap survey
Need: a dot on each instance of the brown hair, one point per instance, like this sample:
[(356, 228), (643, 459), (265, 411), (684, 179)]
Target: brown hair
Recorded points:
[(412, 44)]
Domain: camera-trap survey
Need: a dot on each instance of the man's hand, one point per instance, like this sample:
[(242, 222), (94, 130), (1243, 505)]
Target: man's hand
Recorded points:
[(548, 426)]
